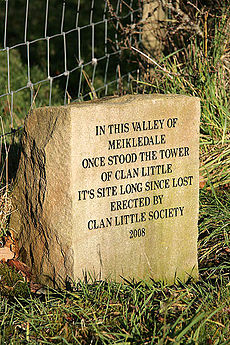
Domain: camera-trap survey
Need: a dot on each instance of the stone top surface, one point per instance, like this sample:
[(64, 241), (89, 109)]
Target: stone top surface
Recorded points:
[(122, 100)]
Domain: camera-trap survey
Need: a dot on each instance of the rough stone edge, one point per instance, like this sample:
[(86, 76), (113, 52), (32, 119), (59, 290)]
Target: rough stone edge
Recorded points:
[(35, 234)]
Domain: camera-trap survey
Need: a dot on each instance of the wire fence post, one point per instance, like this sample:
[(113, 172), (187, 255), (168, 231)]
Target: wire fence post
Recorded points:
[(153, 31)]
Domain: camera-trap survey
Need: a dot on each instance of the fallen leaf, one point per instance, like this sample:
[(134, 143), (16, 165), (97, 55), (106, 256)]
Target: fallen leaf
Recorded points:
[(10, 242), (20, 267), (202, 182), (6, 254)]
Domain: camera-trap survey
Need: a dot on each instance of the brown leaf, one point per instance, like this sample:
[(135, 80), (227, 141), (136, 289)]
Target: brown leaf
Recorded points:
[(10, 242), (202, 181), (6, 254), (20, 267)]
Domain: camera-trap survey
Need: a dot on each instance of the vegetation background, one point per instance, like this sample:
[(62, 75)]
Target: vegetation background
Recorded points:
[(19, 31), (195, 60)]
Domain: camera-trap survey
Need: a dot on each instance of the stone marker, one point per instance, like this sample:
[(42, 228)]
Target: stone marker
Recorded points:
[(110, 187)]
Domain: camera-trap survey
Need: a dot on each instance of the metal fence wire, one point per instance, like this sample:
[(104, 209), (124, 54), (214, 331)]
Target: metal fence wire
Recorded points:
[(54, 52)]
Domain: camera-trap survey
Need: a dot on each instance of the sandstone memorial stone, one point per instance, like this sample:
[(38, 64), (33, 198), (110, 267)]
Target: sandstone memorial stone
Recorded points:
[(110, 188)]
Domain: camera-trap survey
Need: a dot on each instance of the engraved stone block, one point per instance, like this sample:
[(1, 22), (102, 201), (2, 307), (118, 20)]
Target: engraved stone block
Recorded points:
[(110, 187)]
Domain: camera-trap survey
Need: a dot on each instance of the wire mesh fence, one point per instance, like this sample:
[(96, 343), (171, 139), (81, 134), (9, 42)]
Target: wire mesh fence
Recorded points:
[(53, 52)]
